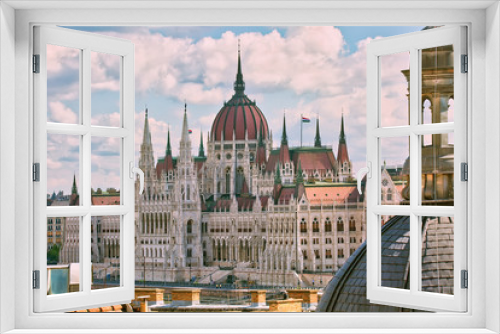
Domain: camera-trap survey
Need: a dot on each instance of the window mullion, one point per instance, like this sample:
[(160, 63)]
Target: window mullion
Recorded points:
[(85, 235), (414, 167)]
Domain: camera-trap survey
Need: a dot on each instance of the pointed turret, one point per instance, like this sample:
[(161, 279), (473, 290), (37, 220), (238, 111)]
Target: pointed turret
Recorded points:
[(146, 135), (74, 189), (284, 151), (168, 151), (261, 149), (239, 84), (185, 144), (299, 183), (342, 154), (277, 175), (146, 160), (201, 150), (277, 183), (317, 139), (284, 138)]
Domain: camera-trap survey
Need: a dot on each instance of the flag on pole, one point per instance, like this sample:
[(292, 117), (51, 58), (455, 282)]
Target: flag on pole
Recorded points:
[(190, 131), (305, 120)]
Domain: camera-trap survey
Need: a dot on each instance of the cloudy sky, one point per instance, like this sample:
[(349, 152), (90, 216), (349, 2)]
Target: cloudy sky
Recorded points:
[(300, 70)]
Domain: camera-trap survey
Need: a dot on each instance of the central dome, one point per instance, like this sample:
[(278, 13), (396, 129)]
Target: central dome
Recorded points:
[(239, 115)]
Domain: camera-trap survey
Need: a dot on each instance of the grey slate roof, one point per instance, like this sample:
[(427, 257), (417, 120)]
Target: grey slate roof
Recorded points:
[(346, 292)]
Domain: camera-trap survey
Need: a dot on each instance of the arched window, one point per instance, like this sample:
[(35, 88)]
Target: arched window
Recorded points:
[(389, 194), (315, 225), (340, 225), (427, 119), (228, 180), (190, 226), (303, 226), (328, 225), (352, 224)]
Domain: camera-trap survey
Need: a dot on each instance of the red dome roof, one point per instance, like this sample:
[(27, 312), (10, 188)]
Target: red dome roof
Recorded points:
[(239, 115)]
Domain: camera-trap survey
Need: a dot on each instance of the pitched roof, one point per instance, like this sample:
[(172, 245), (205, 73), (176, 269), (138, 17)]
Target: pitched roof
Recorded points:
[(334, 193), (106, 199)]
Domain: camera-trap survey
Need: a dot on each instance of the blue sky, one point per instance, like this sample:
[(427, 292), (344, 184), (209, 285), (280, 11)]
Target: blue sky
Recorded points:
[(300, 70)]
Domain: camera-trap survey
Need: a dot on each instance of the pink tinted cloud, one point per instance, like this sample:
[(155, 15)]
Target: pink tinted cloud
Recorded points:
[(61, 113)]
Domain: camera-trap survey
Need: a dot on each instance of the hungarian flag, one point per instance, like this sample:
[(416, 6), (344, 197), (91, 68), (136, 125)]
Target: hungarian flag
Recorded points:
[(190, 131), (305, 120)]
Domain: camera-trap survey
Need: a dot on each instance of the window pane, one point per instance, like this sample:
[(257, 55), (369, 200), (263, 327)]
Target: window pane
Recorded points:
[(105, 81), (63, 170), (395, 170), (395, 252), (63, 84), (437, 169), (437, 254), (105, 240), (437, 85), (63, 255), (106, 171), (394, 79)]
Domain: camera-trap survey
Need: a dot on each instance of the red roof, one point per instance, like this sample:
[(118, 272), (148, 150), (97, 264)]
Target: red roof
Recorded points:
[(284, 154), (285, 195), (261, 155), (331, 195), (238, 115), (311, 161), (165, 165), (106, 199), (342, 155), (244, 203)]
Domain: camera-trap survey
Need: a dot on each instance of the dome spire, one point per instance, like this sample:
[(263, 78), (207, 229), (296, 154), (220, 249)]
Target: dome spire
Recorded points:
[(239, 84), (317, 139)]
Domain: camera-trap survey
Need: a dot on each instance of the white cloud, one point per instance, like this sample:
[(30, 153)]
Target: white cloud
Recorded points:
[(58, 112)]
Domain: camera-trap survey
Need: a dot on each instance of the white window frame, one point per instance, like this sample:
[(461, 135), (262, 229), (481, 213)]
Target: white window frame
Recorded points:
[(483, 20), (414, 131), (86, 43)]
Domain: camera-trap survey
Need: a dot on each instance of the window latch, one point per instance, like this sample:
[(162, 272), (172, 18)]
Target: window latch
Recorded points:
[(362, 171), (134, 170), (36, 279)]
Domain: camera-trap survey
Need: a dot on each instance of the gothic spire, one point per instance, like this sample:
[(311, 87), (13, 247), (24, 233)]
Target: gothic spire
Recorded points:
[(317, 139), (277, 175), (201, 150), (342, 154), (185, 130), (146, 136), (300, 177), (169, 147), (261, 135), (239, 84), (74, 189), (284, 139), (342, 134)]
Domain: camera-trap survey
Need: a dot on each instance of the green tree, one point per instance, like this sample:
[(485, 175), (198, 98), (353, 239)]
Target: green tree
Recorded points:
[(53, 255)]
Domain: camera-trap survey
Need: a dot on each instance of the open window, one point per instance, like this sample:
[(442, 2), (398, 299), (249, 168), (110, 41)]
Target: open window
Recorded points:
[(431, 134), (78, 134)]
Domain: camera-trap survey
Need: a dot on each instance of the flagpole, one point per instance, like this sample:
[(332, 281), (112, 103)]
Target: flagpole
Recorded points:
[(301, 129)]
